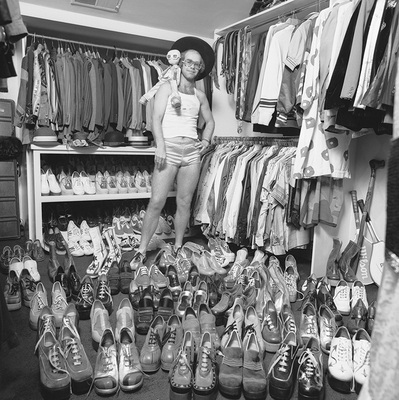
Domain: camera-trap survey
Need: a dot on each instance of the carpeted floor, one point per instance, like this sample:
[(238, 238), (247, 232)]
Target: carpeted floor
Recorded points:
[(19, 368)]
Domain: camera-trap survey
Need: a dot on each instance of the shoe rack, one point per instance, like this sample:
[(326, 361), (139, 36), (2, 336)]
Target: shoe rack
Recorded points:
[(36, 201)]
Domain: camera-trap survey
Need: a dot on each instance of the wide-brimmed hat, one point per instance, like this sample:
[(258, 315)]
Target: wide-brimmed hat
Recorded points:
[(45, 136), (206, 51), (114, 139)]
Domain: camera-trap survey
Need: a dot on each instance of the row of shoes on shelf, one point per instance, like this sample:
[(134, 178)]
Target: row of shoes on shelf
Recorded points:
[(81, 183)]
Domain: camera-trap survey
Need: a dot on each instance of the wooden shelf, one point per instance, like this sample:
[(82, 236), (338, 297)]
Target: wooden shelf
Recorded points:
[(98, 197)]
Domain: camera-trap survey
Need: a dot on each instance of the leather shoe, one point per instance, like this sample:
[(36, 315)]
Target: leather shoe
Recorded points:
[(271, 332), (145, 312), (173, 339), (205, 380), (74, 281), (85, 298), (370, 318), (166, 304), (150, 355), (126, 276), (103, 292), (114, 278), (358, 317)]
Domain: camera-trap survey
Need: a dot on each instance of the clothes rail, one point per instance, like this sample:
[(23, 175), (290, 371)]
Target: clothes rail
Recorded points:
[(292, 142), (38, 37)]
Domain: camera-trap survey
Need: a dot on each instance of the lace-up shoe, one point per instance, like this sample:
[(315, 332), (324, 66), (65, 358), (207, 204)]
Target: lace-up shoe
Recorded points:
[(230, 375), (85, 297), (342, 297), (234, 322), (38, 302), (253, 373), (106, 377), (103, 293), (308, 323), (310, 372), (327, 327), (205, 376), (271, 332), (173, 339), (99, 319), (359, 292), (55, 380), (58, 302), (28, 287), (130, 371), (340, 361), (361, 342), (181, 373), (150, 357), (282, 369), (77, 362), (191, 323)]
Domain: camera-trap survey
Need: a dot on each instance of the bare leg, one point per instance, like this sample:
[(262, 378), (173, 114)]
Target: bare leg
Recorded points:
[(161, 183), (187, 180)]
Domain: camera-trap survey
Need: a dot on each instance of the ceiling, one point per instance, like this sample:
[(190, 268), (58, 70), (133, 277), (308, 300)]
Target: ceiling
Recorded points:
[(183, 17)]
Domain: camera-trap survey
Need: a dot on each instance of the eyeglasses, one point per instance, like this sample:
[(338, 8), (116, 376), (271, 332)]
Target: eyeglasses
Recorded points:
[(191, 63)]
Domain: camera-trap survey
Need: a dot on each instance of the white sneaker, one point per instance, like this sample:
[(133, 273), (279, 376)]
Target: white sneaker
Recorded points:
[(111, 183), (342, 297), (94, 268), (85, 231), (54, 186), (17, 266), (139, 181), (45, 188), (340, 361), (147, 180), (87, 247), (31, 266), (73, 232), (101, 184), (131, 187), (122, 185), (88, 186), (66, 186), (77, 184), (361, 357), (75, 248), (359, 292)]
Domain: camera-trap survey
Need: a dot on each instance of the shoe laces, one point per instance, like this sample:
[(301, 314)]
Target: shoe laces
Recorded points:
[(103, 290), (235, 271), (359, 293), (290, 280), (72, 346), (107, 364), (310, 324), (205, 359), (54, 357), (290, 324), (40, 302), (310, 363), (344, 349), (171, 336), (154, 338), (342, 293), (362, 355), (328, 329), (269, 322), (142, 271), (127, 356), (13, 287), (281, 359), (30, 284), (85, 293), (60, 302), (230, 328), (47, 327)]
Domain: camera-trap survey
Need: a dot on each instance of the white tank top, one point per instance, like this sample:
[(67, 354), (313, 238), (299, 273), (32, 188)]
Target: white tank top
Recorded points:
[(182, 121)]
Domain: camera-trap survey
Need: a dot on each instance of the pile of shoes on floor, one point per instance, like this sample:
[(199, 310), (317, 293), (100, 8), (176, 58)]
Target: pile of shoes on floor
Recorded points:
[(209, 317)]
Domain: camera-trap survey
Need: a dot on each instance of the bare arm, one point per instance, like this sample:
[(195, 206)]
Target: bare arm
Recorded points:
[(160, 102), (208, 118)]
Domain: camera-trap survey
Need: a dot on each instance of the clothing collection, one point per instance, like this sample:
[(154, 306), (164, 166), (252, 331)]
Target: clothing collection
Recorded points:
[(331, 75), (246, 195), (76, 91)]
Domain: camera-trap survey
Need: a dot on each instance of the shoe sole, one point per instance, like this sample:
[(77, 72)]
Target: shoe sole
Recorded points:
[(81, 387), (106, 392), (279, 393), (154, 367), (230, 391), (58, 394), (256, 395), (210, 394), (132, 388), (184, 394)]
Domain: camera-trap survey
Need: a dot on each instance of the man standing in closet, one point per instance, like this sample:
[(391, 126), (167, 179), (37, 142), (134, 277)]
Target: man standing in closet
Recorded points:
[(178, 147)]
